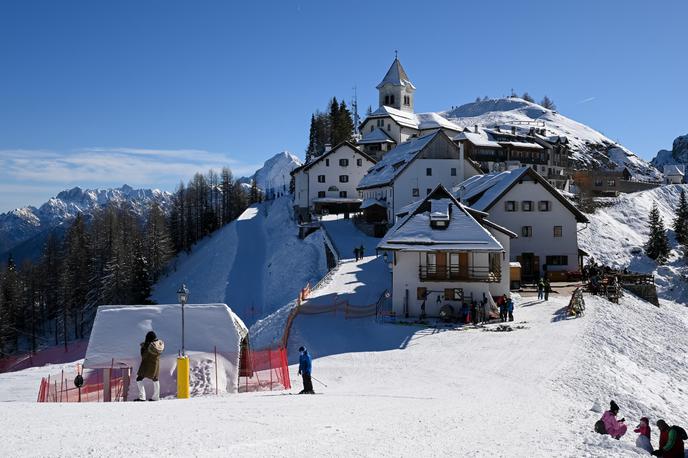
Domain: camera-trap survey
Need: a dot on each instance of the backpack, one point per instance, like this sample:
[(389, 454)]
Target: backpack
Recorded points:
[(680, 432), (600, 428)]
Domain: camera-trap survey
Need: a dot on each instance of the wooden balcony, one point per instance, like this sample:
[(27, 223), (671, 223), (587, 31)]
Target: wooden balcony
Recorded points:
[(459, 273)]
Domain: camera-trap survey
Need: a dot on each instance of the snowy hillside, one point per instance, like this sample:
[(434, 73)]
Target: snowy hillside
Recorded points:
[(24, 224), (677, 155), (617, 233), (255, 264), (589, 147)]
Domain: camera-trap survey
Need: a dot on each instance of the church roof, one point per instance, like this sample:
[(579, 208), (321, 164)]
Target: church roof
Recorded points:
[(376, 136), (396, 76)]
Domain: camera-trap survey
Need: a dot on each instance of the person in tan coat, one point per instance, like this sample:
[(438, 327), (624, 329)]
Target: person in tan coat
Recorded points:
[(151, 350)]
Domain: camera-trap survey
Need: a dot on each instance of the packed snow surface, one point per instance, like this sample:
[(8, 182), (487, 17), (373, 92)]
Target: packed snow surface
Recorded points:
[(404, 390)]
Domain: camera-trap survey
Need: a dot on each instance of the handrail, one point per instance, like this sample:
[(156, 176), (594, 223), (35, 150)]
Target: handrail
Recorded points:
[(461, 273)]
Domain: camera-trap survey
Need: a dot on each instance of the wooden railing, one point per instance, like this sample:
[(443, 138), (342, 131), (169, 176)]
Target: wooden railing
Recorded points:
[(459, 273)]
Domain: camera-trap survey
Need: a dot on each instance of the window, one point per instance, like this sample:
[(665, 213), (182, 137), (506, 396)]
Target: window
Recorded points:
[(611, 183), (344, 162), (453, 171), (380, 122), (510, 205), (527, 231), (428, 172), (343, 178), (545, 206), (327, 162), (527, 205), (415, 192), (342, 194), (372, 128), (557, 231), (428, 191), (359, 162), (391, 99), (321, 178), (321, 194), (495, 260), (598, 182), (389, 127), (557, 260)]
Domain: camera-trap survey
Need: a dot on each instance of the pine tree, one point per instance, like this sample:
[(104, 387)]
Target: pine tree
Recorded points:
[(681, 221), (343, 127), (311, 149), (548, 103), (657, 246), (527, 97)]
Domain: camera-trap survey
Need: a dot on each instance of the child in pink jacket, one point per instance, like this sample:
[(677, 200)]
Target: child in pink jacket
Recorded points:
[(643, 440), (615, 428)]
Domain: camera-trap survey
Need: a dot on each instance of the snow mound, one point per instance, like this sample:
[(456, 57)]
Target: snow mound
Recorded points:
[(589, 147)]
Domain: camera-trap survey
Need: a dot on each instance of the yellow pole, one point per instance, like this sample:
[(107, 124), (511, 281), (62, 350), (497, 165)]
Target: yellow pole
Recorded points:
[(183, 389)]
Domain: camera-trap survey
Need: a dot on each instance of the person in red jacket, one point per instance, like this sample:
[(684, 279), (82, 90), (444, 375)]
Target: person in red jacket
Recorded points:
[(670, 441)]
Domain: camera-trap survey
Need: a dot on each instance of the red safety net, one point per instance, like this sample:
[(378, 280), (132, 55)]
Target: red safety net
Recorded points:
[(61, 387), (264, 370), (52, 355)]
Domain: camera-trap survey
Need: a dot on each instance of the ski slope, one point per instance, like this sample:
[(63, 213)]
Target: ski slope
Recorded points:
[(400, 390), (255, 264)]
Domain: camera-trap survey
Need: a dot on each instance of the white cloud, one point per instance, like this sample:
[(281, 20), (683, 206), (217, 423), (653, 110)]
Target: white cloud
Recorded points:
[(589, 99), (35, 171)]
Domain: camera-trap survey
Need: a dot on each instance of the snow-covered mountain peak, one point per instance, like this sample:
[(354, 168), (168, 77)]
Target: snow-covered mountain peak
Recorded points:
[(275, 173), (677, 155)]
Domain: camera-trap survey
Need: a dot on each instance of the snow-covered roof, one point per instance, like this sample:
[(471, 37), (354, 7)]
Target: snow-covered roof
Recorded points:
[(403, 118), (395, 161), (673, 169), (435, 121), (396, 76), (317, 159), (523, 145), (376, 136), (118, 329), (337, 200), (478, 139), (462, 232), (372, 203), (481, 192)]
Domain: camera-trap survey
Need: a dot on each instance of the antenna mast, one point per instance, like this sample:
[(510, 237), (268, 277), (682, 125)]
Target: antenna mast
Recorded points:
[(354, 107)]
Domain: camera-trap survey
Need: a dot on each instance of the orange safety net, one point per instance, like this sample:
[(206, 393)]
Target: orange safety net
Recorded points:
[(61, 387)]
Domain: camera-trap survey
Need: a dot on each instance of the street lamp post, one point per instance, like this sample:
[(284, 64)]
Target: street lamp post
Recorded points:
[(183, 296)]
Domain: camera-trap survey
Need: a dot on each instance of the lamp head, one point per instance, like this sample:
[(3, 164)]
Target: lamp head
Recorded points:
[(183, 294)]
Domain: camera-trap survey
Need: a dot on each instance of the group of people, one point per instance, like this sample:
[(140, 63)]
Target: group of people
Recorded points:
[(358, 253), (671, 438), (543, 288), (506, 308)]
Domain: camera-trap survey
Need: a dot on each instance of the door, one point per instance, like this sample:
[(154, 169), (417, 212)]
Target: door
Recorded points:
[(463, 265), (441, 264), (527, 271)]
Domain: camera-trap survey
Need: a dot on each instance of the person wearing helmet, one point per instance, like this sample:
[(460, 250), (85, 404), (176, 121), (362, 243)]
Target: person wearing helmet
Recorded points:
[(151, 350), (305, 367)]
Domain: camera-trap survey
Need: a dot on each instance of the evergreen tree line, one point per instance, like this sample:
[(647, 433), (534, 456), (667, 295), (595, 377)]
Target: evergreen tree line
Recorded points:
[(114, 257), (329, 128), (657, 246)]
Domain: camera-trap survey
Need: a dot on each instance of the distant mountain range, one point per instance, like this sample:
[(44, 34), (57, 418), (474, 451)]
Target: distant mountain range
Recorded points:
[(677, 155), (23, 231), (589, 148)]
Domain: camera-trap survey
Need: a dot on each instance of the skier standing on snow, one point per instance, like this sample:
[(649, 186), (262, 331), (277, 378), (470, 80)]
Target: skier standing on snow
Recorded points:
[(305, 366), (670, 441), (151, 350), (502, 308), (360, 251), (486, 310), (356, 253), (643, 440), (613, 427)]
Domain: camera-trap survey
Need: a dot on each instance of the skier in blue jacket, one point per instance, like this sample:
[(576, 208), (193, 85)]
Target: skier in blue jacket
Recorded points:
[(305, 371)]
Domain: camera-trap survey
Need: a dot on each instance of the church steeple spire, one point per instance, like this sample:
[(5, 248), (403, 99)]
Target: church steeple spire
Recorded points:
[(396, 89)]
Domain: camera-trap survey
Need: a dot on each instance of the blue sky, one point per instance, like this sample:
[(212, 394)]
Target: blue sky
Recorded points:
[(96, 93)]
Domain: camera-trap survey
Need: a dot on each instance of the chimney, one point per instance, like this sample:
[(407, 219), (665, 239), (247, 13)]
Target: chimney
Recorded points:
[(476, 128), (513, 130), (328, 147)]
